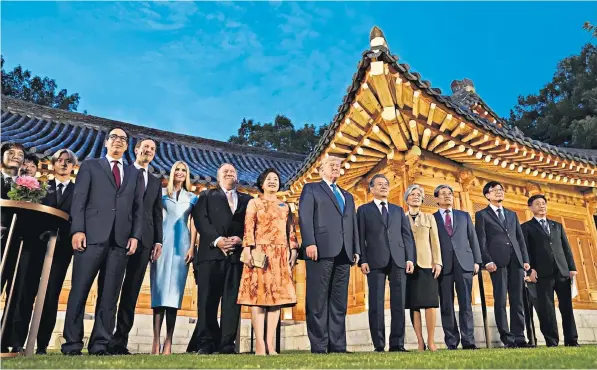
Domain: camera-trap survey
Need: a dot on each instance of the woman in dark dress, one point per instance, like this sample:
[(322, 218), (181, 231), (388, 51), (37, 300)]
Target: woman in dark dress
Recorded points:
[(422, 285)]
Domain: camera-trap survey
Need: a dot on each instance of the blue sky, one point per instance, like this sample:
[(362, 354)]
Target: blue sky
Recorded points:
[(200, 68)]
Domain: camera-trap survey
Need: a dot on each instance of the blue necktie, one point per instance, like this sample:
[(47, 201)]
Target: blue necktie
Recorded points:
[(338, 197)]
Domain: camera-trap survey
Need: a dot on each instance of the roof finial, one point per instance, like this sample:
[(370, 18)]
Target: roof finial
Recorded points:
[(377, 38)]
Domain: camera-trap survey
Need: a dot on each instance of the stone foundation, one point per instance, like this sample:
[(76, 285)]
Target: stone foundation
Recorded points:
[(294, 335)]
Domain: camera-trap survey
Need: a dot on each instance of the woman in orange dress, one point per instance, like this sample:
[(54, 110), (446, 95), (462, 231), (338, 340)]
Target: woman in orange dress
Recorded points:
[(268, 229)]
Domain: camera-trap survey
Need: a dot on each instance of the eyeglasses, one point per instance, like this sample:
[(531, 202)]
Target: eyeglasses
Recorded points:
[(115, 137), (445, 195), (497, 191)]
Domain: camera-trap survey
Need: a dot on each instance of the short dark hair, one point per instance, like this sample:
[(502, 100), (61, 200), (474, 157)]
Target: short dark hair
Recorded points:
[(377, 176), (440, 187), (116, 128), (490, 185), (141, 140), (31, 158), (11, 145), (534, 198), (263, 176)]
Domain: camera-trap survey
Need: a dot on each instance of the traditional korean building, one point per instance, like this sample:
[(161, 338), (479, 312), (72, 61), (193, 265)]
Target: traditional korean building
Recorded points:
[(390, 121)]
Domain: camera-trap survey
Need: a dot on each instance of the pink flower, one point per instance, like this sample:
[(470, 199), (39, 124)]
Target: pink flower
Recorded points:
[(28, 182)]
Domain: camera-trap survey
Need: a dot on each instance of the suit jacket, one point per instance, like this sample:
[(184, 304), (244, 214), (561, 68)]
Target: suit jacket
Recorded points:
[(547, 249), (426, 240), (65, 204), (462, 243), (99, 207), (213, 218), (380, 240), (496, 241), (324, 225), (4, 187), (152, 213)]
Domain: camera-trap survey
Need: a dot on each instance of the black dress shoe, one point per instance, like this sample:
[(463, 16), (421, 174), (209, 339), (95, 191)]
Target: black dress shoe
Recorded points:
[(340, 351), (510, 346), (470, 347), (452, 348), (227, 350), (205, 351), (17, 350), (41, 351), (100, 353), (319, 352), (573, 344), (523, 345), (550, 345), (379, 349), (398, 349), (73, 353), (120, 351)]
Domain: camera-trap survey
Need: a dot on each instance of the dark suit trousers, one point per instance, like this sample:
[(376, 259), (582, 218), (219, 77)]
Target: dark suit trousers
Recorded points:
[(546, 309), (463, 281), (217, 280), (376, 280), (110, 260), (326, 302), (509, 281), (24, 308), (131, 287)]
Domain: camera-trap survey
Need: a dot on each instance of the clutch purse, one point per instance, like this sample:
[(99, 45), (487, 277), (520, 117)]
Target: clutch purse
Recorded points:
[(259, 258)]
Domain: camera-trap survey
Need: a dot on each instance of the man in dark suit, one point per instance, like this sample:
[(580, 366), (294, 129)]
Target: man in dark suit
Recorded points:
[(60, 195), (107, 223), (13, 155), (148, 249), (30, 165), (219, 216), (504, 254), (329, 232), (388, 252), (553, 269), (461, 257)]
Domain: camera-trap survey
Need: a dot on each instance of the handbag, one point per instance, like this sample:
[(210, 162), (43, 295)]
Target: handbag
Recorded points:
[(259, 258)]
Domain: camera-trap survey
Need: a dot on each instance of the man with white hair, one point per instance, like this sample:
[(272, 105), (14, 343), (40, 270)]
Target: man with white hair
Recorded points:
[(328, 222), (219, 216)]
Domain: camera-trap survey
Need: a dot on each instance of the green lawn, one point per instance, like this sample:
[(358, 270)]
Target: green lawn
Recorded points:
[(537, 358)]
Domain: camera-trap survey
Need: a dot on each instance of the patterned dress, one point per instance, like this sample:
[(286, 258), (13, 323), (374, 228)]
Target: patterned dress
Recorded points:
[(269, 229)]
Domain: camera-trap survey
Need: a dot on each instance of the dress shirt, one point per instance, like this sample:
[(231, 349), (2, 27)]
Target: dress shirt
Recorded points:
[(120, 166), (7, 175), (64, 185), (235, 200), (495, 210), (539, 219), (145, 173), (442, 211), (378, 204), (337, 188)]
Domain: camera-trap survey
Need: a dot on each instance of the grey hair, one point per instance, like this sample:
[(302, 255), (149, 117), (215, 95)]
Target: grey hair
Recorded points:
[(414, 187), (71, 156), (328, 159), (219, 168), (440, 187), (377, 176)]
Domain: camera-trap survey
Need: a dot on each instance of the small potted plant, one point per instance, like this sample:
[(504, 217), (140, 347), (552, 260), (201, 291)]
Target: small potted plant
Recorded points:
[(27, 189)]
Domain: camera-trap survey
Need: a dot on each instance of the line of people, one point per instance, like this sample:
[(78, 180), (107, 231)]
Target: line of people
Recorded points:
[(122, 220)]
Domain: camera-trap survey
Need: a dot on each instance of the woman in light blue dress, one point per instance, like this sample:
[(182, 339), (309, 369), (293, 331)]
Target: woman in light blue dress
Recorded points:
[(169, 273)]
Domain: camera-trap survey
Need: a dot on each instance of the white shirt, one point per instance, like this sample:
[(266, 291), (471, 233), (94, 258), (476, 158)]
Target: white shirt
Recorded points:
[(337, 188), (539, 219), (119, 164), (378, 204), (443, 213), (235, 200), (7, 175), (64, 185), (495, 209), (145, 175)]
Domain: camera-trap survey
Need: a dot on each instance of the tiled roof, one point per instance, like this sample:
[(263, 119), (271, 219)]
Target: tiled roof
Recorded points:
[(381, 53), (44, 130)]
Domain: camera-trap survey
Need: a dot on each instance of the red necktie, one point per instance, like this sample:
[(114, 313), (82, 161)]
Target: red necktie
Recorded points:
[(448, 223), (116, 173)]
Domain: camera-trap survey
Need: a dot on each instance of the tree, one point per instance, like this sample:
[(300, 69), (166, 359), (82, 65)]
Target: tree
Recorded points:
[(589, 27), (20, 84), (279, 135), (564, 112)]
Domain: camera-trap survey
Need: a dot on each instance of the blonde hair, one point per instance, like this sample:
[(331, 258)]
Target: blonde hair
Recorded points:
[(330, 158), (186, 183)]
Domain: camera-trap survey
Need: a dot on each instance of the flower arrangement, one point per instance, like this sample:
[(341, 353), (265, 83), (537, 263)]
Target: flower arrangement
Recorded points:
[(28, 189)]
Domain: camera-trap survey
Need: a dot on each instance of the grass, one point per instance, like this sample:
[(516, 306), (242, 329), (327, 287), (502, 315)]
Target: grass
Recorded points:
[(536, 358)]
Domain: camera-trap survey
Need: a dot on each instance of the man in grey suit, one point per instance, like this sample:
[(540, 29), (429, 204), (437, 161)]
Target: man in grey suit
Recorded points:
[(388, 252), (107, 223), (505, 256), (461, 257), (328, 222)]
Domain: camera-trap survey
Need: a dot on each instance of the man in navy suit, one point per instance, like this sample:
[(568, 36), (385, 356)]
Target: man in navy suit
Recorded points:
[(461, 257), (149, 248), (328, 221), (107, 223), (388, 252), (552, 271), (505, 256)]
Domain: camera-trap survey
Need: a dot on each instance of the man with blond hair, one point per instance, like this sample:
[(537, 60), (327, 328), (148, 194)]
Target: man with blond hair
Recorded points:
[(328, 222)]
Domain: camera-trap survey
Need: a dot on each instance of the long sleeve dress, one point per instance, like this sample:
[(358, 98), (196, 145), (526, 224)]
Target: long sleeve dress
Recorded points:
[(269, 229)]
